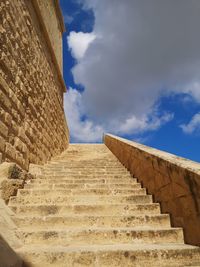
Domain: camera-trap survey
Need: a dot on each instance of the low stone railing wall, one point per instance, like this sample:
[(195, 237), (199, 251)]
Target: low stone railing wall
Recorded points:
[(174, 182)]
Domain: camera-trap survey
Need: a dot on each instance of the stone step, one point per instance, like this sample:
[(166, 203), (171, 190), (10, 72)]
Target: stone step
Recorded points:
[(79, 177), (82, 176), (81, 186), (61, 165), (106, 236), (85, 209), (120, 255), (93, 209), (66, 222), (126, 199), (70, 162), (80, 192), (84, 168), (87, 170), (83, 181)]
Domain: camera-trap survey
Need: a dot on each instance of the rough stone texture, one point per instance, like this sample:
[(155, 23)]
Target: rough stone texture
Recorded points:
[(32, 122), (53, 21), (12, 178), (173, 181), (85, 209)]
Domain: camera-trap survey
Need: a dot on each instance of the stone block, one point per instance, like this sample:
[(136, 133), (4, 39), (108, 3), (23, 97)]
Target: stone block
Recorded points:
[(3, 129), (10, 151), (9, 188), (9, 170), (2, 144)]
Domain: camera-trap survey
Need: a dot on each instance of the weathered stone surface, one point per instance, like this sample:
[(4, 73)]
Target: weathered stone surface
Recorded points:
[(10, 170), (173, 181), (85, 209), (12, 178), (32, 122)]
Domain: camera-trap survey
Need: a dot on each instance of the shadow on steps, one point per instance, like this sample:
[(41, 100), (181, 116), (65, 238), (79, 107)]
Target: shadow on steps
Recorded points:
[(8, 257)]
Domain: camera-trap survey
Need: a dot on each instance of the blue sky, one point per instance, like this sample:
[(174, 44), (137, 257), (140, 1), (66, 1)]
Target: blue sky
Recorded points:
[(133, 69)]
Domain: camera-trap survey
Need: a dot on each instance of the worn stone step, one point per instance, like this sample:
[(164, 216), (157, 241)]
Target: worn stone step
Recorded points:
[(120, 255), (94, 168), (82, 176), (85, 191), (81, 186), (93, 209), (69, 163), (107, 161), (85, 209), (86, 171), (83, 181), (75, 166), (57, 222), (126, 199), (106, 236)]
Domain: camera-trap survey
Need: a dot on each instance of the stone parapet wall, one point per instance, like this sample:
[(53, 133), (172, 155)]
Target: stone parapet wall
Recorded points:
[(32, 122), (173, 181)]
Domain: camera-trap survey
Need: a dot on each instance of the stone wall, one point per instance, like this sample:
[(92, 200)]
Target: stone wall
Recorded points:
[(173, 181), (32, 122), (52, 20)]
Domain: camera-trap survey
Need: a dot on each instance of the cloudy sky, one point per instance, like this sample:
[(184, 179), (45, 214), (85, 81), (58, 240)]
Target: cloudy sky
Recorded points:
[(132, 69)]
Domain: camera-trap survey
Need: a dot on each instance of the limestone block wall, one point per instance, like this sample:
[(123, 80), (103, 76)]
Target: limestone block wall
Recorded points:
[(32, 122), (173, 181), (52, 19)]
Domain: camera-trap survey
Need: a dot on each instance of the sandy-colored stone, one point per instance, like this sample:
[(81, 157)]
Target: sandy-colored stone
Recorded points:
[(173, 181), (84, 208), (33, 127), (12, 178)]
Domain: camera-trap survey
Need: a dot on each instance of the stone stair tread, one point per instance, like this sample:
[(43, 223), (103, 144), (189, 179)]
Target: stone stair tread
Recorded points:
[(120, 255), (82, 191), (82, 186), (96, 181), (152, 208), (92, 216), (101, 221), (128, 229), (87, 199), (80, 195), (113, 247), (94, 235), (94, 205)]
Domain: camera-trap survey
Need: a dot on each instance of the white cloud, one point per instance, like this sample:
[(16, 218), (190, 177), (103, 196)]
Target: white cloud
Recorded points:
[(194, 90), (136, 125), (193, 125), (138, 51), (85, 130), (81, 131), (79, 42)]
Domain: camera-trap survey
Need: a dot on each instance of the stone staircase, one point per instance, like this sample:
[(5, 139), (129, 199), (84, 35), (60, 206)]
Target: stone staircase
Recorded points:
[(85, 209)]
